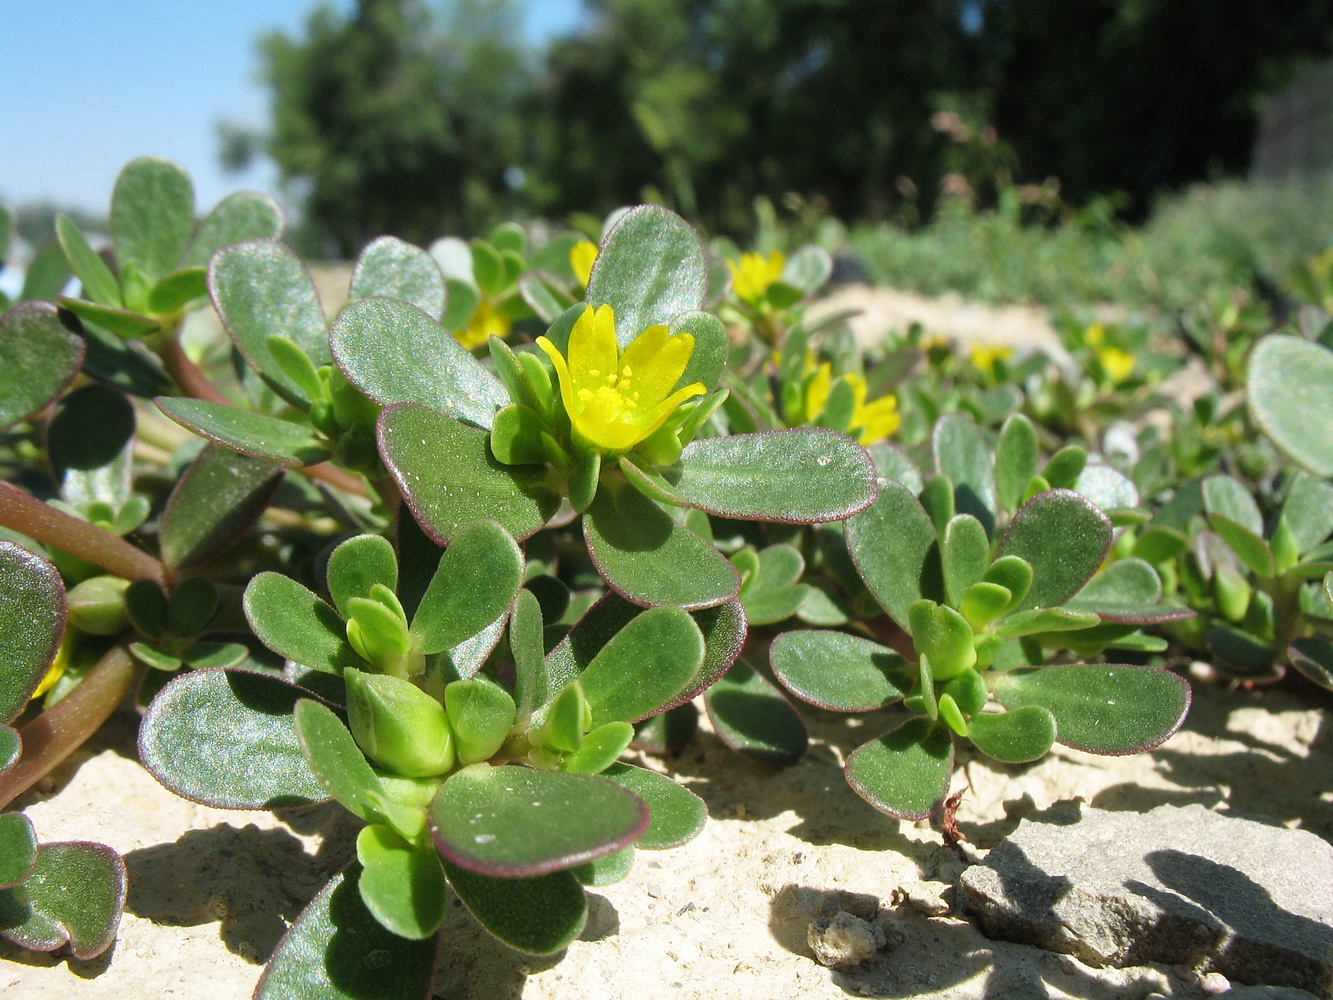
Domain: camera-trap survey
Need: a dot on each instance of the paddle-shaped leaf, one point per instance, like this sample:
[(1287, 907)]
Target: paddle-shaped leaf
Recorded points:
[(226, 738), (962, 455), (475, 583), (219, 497), (896, 551), (449, 477), (752, 716), (395, 353), (1064, 537), (290, 620), (904, 773), (651, 268), (241, 216), (845, 673), (676, 814), (643, 667), (337, 950), (1287, 392), (391, 267), (32, 620), (402, 885), (18, 848), (1127, 591), (1014, 737), (356, 565), (1101, 708), (255, 434), (75, 895), (38, 359), (537, 915), (152, 216), (1015, 460), (517, 822)]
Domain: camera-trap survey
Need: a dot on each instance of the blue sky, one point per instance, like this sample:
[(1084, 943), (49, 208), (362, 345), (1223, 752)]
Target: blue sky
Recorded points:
[(90, 84)]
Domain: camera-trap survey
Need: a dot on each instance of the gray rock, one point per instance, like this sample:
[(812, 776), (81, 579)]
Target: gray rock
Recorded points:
[(1266, 993), (1189, 886), (844, 939)]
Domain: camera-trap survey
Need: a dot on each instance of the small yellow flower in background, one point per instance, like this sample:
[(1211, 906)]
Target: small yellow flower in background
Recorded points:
[(816, 388), (984, 356), (616, 400), (876, 420), (1094, 335), (1117, 364), (582, 255), (755, 274), (485, 322), (58, 666)]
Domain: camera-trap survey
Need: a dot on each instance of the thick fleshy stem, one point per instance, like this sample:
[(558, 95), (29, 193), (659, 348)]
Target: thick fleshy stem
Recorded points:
[(42, 522), (190, 378), (63, 728)]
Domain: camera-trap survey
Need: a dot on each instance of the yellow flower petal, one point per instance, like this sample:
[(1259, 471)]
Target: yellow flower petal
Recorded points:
[(817, 391), (582, 256)]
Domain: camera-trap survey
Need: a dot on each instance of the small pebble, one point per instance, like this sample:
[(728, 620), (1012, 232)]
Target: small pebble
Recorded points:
[(1214, 983), (843, 940)]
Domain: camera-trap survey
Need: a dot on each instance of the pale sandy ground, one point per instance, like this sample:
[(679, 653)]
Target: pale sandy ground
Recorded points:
[(724, 916)]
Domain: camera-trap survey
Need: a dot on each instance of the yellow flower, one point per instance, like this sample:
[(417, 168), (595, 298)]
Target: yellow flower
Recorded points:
[(58, 666), (616, 400), (1117, 364), (582, 255), (875, 421), (485, 322), (1094, 335), (984, 356), (751, 279)]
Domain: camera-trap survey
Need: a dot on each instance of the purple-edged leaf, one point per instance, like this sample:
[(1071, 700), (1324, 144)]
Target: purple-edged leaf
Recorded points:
[(798, 476), (709, 358), (651, 268), (1287, 392), (1313, 656), (904, 773), (676, 814), (11, 746), (1128, 591), (517, 822), (18, 848), (293, 622), (644, 667), (449, 477), (221, 494), (336, 950), (395, 353), (649, 558), (75, 894), (1064, 537), (1101, 708), (1106, 487), (841, 672), (152, 216), (1035, 621), (538, 915), (121, 322), (260, 288), (254, 434), (896, 551), (32, 620), (391, 267), (752, 716), (38, 359), (227, 738), (242, 215), (1014, 737), (475, 584)]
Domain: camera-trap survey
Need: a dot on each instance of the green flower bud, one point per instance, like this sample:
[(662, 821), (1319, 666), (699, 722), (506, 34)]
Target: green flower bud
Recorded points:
[(481, 713), (377, 630), (398, 725), (97, 606), (1285, 551)]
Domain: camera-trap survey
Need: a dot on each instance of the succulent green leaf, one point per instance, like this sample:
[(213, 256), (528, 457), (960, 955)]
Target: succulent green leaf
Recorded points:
[(516, 436), (96, 279), (401, 885), (1241, 654), (1065, 466), (337, 950), (895, 548), (356, 566), (517, 822), (391, 267), (192, 605), (547, 299), (395, 353), (937, 497), (1157, 544), (1253, 551), (751, 716), (837, 671), (677, 815), (1035, 621), (1107, 488), (121, 322), (32, 620), (796, 476), (1012, 573), (651, 268), (260, 288), (11, 746), (964, 555), (241, 216), (398, 725), (1015, 460), (808, 268), (709, 358), (1227, 497), (219, 497), (962, 455), (984, 602), (649, 558), (1101, 708), (1308, 510), (297, 625), (449, 477), (282, 442), (599, 749), (643, 667), (47, 273), (1287, 385), (1015, 737), (128, 365), (944, 636), (481, 714), (75, 894), (904, 773), (1064, 537), (1127, 591), (537, 915), (475, 583), (967, 691), (18, 848), (1313, 657), (532, 687), (152, 216), (605, 871), (38, 359), (174, 292), (226, 738)]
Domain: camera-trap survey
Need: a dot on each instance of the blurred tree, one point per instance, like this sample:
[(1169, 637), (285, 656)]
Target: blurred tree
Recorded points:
[(398, 118)]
